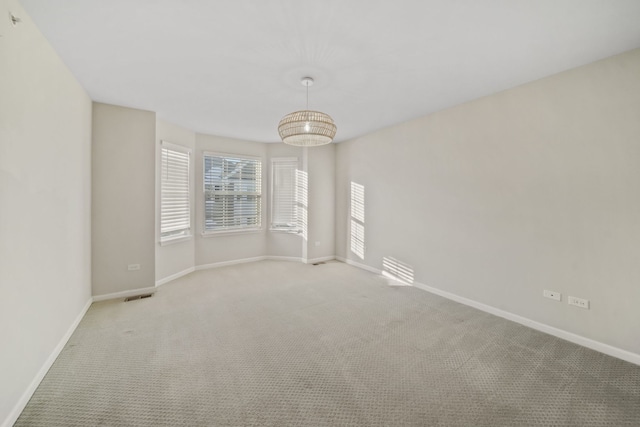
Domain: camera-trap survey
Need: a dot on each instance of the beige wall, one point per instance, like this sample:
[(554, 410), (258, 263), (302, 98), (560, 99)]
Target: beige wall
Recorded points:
[(232, 246), (45, 191), (174, 258), (320, 167), (495, 200), (123, 202)]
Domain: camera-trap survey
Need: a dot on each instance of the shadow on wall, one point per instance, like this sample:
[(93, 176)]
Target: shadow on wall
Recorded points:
[(399, 273), (357, 220), (302, 201)]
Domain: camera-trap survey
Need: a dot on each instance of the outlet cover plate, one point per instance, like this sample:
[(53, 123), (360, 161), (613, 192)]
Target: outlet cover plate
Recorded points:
[(552, 294), (578, 302)]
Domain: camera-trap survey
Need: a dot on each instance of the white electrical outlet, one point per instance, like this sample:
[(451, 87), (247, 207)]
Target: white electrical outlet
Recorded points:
[(133, 267), (552, 294), (317, 243), (578, 302)]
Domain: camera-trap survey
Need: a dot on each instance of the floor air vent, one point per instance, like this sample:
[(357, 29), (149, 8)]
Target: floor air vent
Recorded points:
[(135, 297), (319, 263)]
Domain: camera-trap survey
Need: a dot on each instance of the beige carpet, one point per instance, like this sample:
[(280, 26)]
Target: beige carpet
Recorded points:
[(286, 344)]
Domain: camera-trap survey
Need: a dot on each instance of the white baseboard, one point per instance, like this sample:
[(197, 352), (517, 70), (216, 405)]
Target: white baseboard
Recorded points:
[(284, 258), (542, 327), (26, 396), (124, 294), (174, 276), (551, 330), (225, 263), (321, 259), (359, 265), (262, 258)]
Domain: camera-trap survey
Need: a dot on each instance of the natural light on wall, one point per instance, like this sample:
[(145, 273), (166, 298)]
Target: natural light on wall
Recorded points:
[(357, 220), (400, 273), (302, 182)]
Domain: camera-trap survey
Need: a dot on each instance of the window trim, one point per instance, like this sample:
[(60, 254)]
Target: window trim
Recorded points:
[(232, 231), (188, 233)]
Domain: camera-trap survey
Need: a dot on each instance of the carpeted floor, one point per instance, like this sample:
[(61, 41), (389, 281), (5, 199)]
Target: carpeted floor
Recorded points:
[(287, 344)]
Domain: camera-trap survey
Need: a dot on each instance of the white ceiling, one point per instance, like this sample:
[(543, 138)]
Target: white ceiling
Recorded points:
[(233, 67)]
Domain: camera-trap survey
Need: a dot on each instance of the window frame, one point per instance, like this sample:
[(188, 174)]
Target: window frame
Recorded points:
[(187, 232), (294, 227), (259, 177)]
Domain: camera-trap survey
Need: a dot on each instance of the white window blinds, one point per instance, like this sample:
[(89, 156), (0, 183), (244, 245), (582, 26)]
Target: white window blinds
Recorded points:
[(175, 212), (283, 194), (232, 191)]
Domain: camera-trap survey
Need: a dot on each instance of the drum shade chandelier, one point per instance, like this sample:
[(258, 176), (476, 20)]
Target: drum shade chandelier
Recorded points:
[(307, 128)]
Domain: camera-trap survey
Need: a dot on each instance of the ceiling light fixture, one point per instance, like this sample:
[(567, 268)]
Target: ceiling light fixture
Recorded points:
[(307, 128)]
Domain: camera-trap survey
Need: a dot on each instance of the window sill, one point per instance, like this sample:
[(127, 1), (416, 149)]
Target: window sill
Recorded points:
[(175, 240), (207, 234), (283, 231)]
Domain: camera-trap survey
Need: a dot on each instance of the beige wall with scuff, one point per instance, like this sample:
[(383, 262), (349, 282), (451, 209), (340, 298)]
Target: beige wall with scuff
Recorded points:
[(123, 199)]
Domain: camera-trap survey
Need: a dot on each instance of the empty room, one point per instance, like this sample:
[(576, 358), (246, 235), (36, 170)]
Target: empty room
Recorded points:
[(319, 213)]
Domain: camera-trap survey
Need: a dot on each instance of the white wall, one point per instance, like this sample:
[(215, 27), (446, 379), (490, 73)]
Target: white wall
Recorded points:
[(179, 257), (45, 191), (123, 203), (495, 200), (232, 246)]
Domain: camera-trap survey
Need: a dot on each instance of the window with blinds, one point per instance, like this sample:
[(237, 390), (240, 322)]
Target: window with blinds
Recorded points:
[(232, 192), (283, 194), (175, 202)]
